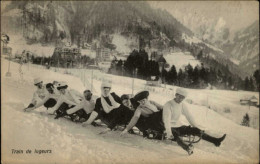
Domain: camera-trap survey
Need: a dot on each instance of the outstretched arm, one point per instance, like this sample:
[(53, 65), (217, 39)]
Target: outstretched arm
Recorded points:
[(61, 100), (75, 109), (42, 102), (134, 119)]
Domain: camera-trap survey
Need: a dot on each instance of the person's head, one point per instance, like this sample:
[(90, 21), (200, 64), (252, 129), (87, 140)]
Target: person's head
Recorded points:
[(105, 88), (50, 88), (87, 94), (55, 83), (38, 83), (180, 95), (62, 86), (142, 97), (125, 100)]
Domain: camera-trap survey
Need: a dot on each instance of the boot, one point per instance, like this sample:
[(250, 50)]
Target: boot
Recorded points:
[(215, 141)]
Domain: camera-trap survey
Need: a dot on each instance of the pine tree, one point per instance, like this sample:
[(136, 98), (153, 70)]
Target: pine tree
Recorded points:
[(246, 84), (246, 120), (251, 84), (195, 76), (172, 75), (200, 55), (181, 76), (257, 79), (189, 78)]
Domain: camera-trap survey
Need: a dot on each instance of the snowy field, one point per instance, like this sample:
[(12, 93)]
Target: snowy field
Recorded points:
[(72, 143), (180, 60)]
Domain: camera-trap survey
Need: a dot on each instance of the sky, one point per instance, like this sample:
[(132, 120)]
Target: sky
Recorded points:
[(234, 14)]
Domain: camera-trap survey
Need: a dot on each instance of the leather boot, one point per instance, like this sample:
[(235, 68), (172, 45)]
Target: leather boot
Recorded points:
[(215, 141)]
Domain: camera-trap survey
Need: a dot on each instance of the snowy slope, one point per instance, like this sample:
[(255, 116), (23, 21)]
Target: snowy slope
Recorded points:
[(71, 143)]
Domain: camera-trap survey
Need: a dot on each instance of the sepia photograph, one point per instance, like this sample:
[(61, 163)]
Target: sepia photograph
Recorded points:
[(129, 82)]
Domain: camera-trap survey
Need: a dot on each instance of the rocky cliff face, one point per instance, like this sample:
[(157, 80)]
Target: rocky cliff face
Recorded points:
[(245, 48)]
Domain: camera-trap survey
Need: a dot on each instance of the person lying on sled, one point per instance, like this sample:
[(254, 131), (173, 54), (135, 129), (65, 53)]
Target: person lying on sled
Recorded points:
[(39, 95), (49, 100), (82, 111), (172, 111), (68, 99), (106, 107), (124, 115), (147, 116)]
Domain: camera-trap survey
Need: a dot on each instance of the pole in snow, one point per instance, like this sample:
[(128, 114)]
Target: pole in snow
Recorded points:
[(134, 75), (92, 80), (133, 83), (8, 73)]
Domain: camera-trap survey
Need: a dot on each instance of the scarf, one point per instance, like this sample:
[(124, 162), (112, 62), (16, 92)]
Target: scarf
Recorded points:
[(107, 108)]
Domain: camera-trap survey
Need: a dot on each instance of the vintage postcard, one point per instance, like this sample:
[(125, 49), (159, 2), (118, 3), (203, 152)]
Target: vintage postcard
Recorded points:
[(112, 82)]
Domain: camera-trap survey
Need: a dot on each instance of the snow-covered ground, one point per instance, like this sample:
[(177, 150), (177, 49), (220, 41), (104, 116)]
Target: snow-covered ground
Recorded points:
[(71, 143), (180, 60)]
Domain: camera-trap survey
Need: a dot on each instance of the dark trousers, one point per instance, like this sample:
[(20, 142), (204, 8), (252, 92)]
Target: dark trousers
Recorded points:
[(82, 114), (63, 108), (118, 116), (186, 130), (50, 103), (153, 122)]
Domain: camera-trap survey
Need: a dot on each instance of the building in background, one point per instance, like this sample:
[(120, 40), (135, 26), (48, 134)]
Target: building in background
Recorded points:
[(66, 57)]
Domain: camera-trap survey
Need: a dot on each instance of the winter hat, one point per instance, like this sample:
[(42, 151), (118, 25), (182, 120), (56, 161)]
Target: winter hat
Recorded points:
[(124, 97), (141, 95), (62, 85), (181, 92), (37, 81), (106, 84)]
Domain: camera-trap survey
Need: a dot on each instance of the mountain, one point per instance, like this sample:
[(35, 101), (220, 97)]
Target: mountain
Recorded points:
[(209, 30), (244, 48), (54, 21)]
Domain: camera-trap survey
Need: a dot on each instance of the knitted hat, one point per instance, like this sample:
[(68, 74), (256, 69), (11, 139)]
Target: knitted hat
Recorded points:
[(106, 84), (141, 95), (181, 92)]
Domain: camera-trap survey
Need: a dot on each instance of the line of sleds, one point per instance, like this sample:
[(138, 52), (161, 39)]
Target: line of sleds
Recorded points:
[(133, 114)]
